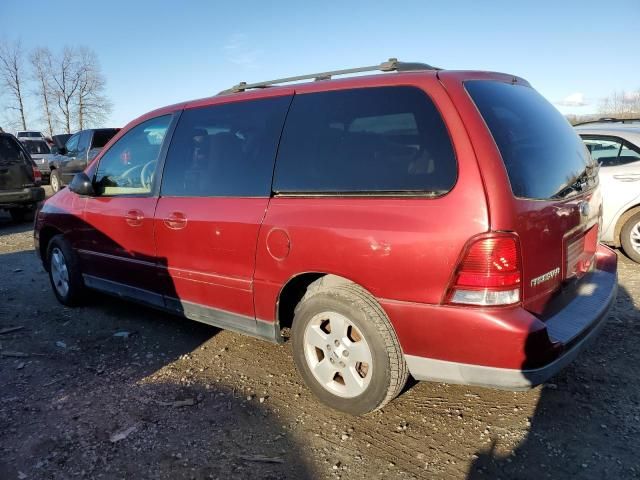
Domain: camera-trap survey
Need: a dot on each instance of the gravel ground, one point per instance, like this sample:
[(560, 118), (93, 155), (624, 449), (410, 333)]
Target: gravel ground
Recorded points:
[(113, 390)]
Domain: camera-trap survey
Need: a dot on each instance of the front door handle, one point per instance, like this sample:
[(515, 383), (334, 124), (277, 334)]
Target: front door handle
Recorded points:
[(176, 221), (134, 217)]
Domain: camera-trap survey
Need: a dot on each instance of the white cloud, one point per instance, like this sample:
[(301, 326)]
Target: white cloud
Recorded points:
[(576, 99), (238, 49)]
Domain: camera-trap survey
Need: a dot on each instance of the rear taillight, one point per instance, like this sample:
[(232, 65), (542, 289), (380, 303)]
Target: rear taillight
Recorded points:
[(37, 175), (489, 273)]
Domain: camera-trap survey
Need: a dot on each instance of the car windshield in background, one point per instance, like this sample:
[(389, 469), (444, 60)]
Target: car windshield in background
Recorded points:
[(36, 147), (102, 137), (543, 155), (29, 134)]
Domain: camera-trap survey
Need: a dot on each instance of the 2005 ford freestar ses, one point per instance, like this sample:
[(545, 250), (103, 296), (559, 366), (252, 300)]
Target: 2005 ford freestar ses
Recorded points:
[(425, 222)]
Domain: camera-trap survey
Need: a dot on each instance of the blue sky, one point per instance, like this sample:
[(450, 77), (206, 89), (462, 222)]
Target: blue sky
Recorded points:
[(159, 52)]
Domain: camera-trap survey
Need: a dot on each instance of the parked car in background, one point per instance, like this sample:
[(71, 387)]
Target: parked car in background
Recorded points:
[(29, 134), (20, 190), (79, 149), (442, 224), (615, 145), (40, 152)]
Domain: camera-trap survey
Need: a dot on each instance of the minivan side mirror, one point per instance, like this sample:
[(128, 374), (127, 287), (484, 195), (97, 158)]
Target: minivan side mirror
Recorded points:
[(82, 185)]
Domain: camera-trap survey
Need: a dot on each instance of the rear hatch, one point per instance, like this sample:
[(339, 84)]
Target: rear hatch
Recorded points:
[(554, 203), (16, 169)]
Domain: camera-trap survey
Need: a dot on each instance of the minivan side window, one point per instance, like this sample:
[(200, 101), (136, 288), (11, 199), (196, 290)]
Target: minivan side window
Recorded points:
[(363, 141), (225, 150), (128, 167)]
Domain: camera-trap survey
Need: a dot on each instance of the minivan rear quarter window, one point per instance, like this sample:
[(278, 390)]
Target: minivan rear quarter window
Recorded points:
[(541, 152), (365, 141)]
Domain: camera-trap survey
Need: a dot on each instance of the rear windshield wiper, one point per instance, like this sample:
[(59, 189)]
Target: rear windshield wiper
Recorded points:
[(581, 182)]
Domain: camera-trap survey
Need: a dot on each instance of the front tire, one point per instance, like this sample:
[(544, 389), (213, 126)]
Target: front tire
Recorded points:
[(64, 272), (54, 181), (346, 349), (630, 237)]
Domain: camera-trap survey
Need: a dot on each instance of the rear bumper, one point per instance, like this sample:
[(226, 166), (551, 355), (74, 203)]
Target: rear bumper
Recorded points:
[(22, 197), (558, 340)]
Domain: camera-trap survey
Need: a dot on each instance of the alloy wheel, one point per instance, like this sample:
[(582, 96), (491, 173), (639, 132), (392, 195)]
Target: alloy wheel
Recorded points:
[(59, 272), (634, 237), (53, 180), (337, 354)]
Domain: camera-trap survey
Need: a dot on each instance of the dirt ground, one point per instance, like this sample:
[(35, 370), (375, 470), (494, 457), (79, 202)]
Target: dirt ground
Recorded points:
[(113, 390)]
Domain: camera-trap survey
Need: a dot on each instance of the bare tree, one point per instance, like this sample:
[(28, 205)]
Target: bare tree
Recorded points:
[(621, 104), (12, 77), (93, 107), (42, 64), (66, 82)]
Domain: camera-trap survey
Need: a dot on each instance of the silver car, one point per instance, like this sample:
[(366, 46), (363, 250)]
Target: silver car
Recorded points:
[(615, 145), (40, 151)]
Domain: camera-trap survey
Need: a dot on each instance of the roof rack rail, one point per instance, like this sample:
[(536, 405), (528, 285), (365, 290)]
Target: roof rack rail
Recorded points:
[(391, 65), (609, 120)]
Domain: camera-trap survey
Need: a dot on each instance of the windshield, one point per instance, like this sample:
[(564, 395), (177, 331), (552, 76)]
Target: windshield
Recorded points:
[(29, 134), (36, 147), (543, 155)]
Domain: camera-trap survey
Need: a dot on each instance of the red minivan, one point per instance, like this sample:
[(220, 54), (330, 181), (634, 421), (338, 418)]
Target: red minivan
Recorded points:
[(439, 224)]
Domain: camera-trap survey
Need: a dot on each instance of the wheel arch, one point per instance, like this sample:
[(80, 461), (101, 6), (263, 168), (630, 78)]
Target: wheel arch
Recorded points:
[(622, 219), (45, 236), (295, 288)]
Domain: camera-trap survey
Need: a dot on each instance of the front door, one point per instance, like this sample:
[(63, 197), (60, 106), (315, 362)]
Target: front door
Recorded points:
[(215, 191), (118, 249)]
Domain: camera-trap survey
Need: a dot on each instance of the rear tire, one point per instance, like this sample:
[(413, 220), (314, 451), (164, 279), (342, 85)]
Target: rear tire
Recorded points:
[(54, 181), (630, 237), (64, 272), (332, 320)]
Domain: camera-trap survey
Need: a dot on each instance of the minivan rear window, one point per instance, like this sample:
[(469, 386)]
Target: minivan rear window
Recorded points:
[(365, 141), (543, 155)]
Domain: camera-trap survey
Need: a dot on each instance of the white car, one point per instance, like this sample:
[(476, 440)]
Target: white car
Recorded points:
[(615, 145)]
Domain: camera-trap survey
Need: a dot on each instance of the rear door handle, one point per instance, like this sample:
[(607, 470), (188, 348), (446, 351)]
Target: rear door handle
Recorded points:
[(176, 221), (134, 217)]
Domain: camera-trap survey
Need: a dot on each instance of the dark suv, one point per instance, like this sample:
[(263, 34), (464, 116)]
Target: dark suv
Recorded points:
[(442, 224), (20, 190), (74, 157)]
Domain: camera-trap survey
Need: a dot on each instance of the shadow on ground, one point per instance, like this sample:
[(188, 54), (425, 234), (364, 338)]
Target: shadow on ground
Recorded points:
[(78, 401), (586, 423)]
